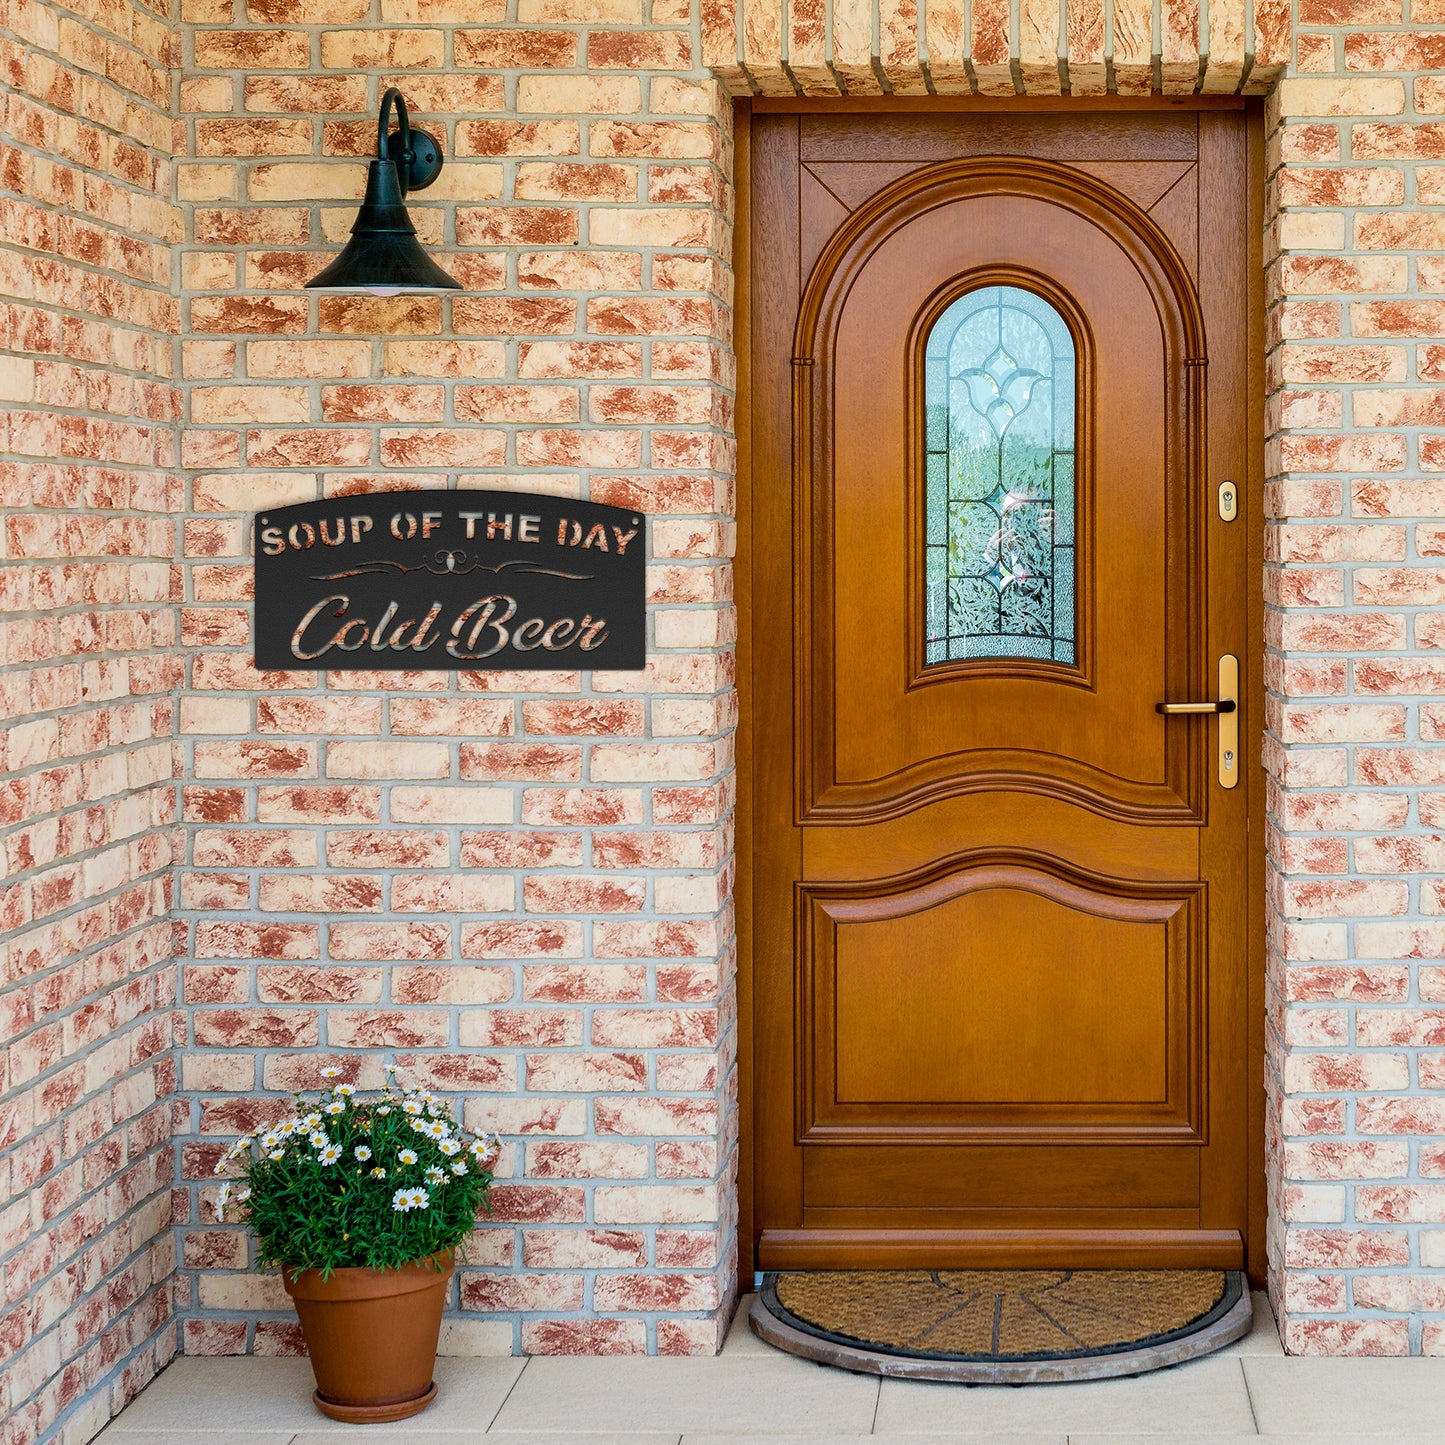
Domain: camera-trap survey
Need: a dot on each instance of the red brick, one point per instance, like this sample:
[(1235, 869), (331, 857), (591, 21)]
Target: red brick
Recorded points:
[(515, 49), (584, 983), (255, 1028), (516, 226), (517, 137), (521, 1292), (521, 940), (584, 1337), (579, 1248), (639, 50)]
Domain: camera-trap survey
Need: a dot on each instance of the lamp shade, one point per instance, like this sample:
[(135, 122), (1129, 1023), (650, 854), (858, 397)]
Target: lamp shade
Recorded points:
[(383, 256)]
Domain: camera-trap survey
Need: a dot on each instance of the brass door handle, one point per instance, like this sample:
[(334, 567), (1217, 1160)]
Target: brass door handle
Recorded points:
[(1174, 709), (1227, 706)]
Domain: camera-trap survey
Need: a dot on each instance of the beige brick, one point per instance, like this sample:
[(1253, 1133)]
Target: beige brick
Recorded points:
[(641, 227), (469, 359), (306, 181), (444, 12), (578, 95), (387, 760), (1297, 231), (457, 804), (324, 359), (207, 183), (250, 403), (375, 49), (1354, 96)]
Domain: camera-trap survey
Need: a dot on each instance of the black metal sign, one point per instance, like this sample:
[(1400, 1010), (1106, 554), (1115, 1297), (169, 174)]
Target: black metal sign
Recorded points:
[(433, 580)]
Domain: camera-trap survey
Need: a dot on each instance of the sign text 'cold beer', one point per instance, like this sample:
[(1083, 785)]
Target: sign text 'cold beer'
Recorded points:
[(433, 580)]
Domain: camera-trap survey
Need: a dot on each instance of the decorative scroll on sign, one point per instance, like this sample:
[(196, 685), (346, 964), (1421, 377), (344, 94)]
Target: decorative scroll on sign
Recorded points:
[(433, 580)]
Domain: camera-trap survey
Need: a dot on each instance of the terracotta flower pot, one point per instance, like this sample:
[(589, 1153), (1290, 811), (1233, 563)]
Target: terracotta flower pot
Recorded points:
[(372, 1336)]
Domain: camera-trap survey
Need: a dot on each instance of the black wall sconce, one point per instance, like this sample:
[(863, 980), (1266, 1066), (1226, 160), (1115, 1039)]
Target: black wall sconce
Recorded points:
[(383, 255)]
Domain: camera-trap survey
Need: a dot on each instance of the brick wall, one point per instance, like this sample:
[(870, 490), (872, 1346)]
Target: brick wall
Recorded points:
[(997, 48), (519, 886), (88, 497), (516, 886), (1354, 580)]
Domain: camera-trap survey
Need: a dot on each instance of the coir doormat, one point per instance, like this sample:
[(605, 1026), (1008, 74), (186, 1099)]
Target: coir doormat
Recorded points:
[(1003, 1326)]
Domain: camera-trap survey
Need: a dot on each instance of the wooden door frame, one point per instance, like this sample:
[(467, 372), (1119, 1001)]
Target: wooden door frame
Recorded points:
[(1253, 517)]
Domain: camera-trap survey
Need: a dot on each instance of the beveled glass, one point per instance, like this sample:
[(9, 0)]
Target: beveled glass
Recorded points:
[(999, 393)]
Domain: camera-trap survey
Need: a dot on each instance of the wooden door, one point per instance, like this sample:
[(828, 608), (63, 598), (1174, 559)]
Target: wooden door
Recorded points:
[(1000, 931)]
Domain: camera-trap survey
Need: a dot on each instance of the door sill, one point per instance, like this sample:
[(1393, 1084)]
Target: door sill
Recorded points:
[(785, 1249)]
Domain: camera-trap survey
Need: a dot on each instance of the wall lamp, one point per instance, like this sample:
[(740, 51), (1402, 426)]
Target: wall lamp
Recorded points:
[(383, 255)]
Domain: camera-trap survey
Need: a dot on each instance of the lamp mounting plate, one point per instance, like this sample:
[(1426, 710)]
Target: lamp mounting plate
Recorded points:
[(426, 158)]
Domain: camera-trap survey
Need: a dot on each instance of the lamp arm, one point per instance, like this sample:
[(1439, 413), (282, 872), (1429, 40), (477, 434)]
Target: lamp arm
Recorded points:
[(393, 97)]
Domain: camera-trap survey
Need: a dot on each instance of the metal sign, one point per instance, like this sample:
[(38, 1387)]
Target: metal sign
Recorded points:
[(436, 580)]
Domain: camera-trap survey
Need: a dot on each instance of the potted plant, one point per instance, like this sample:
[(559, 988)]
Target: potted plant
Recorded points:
[(363, 1202)]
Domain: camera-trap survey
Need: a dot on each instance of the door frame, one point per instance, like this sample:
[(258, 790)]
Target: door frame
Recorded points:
[(1253, 516)]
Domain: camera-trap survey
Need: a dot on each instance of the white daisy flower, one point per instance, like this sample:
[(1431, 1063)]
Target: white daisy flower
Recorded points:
[(289, 1127), (435, 1176), (384, 1110), (345, 1090), (459, 1167), (270, 1140), (392, 1068), (311, 1120), (486, 1148), (407, 1156), (335, 1107), (412, 1106), (319, 1139), (405, 1200), (450, 1146), (437, 1129), (220, 1166), (362, 1152), (331, 1154), (378, 1172), (277, 1154), (242, 1195), (419, 1125), (331, 1073)]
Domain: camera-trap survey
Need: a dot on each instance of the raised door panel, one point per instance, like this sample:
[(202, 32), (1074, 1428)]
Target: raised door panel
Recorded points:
[(999, 999), (934, 240)]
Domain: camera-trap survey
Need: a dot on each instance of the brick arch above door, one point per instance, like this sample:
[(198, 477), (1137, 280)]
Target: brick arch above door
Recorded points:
[(996, 48)]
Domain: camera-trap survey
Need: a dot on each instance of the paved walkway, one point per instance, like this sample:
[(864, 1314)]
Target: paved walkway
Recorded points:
[(1245, 1392)]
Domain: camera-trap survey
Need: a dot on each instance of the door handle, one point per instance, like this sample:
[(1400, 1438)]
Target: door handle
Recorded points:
[(1227, 710), (1176, 709)]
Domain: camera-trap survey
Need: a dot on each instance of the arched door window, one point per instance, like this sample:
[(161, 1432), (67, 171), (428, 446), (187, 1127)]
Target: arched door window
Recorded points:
[(1000, 397)]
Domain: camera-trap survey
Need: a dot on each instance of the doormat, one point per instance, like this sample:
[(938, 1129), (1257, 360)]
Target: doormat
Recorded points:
[(1000, 1326)]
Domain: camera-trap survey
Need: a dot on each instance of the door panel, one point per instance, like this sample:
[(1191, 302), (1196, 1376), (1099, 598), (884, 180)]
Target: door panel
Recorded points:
[(946, 729), (1000, 964), (1014, 1032)]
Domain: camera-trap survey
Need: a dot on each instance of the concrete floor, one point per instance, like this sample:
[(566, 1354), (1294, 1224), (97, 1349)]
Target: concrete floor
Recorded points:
[(1242, 1393)]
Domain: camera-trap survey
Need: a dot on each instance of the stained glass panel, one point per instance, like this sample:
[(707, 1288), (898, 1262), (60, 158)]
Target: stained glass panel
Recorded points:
[(999, 473)]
